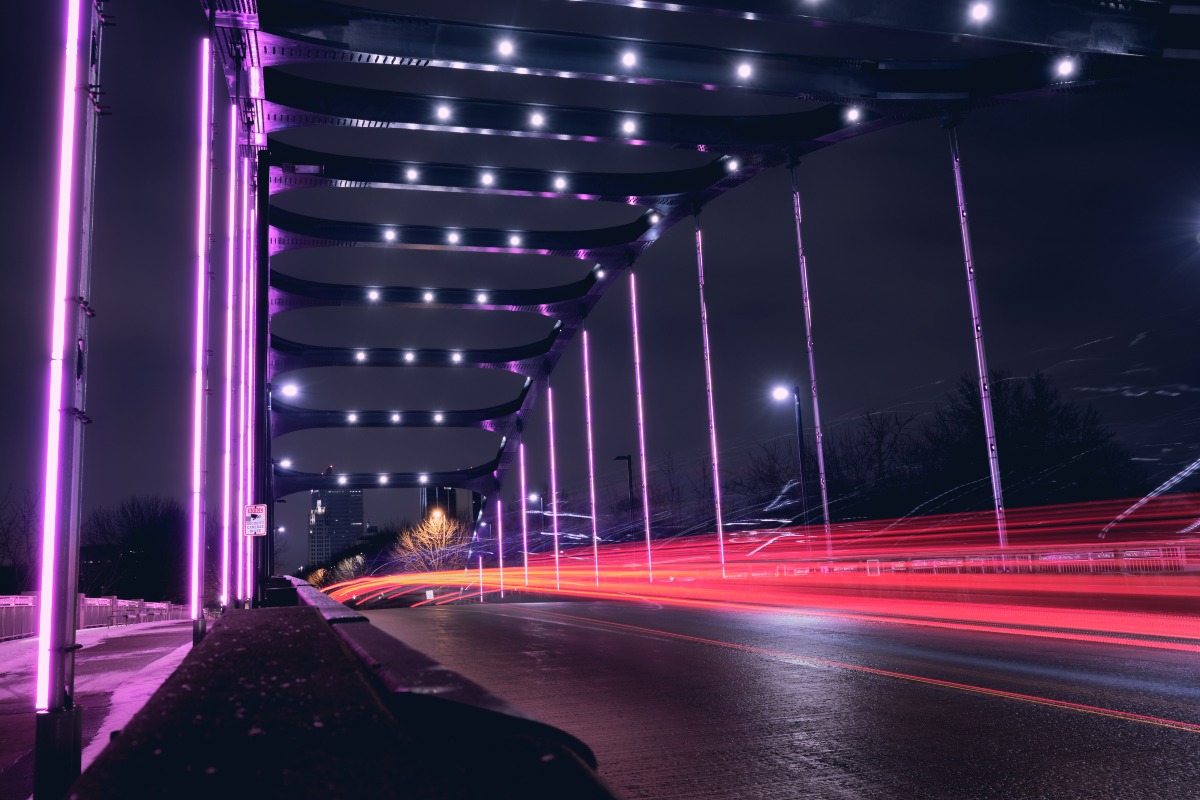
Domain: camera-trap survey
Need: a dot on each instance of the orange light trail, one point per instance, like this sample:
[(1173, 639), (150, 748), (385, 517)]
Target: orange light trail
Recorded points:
[(1139, 586)]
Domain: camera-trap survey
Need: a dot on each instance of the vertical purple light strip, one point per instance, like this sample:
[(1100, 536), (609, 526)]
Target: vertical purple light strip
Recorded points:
[(708, 383), (243, 383), (524, 510), (227, 440), (985, 392), (201, 331), (553, 483), (812, 368), (500, 540), (58, 336), (587, 408), (254, 388), (641, 423)]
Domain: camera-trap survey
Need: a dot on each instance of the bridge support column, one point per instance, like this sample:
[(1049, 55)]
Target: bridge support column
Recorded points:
[(591, 461), (200, 382), (985, 392), (59, 723), (641, 423), (812, 371), (263, 468), (708, 383), (553, 483)]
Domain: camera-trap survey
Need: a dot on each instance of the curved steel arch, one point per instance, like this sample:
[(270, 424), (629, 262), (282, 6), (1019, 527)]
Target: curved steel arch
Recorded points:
[(255, 36)]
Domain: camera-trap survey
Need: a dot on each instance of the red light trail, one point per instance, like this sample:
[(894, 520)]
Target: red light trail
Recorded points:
[(1139, 586)]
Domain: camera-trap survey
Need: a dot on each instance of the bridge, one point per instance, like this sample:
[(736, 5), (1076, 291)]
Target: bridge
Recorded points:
[(290, 95)]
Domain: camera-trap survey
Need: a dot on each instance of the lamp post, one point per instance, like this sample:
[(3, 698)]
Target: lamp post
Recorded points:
[(779, 394), (628, 459)]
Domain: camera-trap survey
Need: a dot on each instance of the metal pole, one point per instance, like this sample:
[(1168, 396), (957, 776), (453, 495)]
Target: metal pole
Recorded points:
[(227, 439), (553, 484), (524, 510), (244, 492), (708, 383), (812, 365), (587, 408), (800, 456), (500, 540), (58, 727), (985, 392), (641, 425)]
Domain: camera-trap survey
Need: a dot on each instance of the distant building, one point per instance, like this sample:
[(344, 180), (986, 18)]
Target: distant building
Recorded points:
[(335, 521), (459, 504)]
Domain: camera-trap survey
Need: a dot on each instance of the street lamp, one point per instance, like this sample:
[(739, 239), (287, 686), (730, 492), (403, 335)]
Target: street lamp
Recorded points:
[(779, 394), (628, 459)]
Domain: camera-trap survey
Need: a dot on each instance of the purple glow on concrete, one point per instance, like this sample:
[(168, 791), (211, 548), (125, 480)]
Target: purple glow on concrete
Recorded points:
[(553, 483), (708, 384), (524, 511), (818, 432), (985, 391), (201, 317), (54, 411), (587, 408), (500, 540), (641, 422), (227, 440)]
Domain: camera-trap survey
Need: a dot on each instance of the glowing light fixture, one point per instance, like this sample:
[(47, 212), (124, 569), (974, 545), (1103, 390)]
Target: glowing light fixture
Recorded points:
[(629, 58), (456, 358), (395, 417), (1065, 67), (352, 417), (286, 463), (481, 298), (560, 183), (373, 295), (427, 297), (732, 165), (389, 235), (587, 408), (980, 12), (629, 126), (654, 218), (423, 479), (537, 120), (599, 274), (641, 423), (487, 179), (383, 479), (452, 238), (514, 241), (289, 390), (360, 356), (409, 357), (230, 282), (853, 114), (411, 174), (553, 485), (341, 480), (443, 112), (780, 393), (524, 510), (744, 70), (438, 417), (505, 47)]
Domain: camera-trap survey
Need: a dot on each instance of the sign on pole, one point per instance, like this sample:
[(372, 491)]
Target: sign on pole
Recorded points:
[(256, 520)]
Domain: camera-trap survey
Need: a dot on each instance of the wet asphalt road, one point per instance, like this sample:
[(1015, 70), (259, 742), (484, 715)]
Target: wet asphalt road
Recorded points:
[(712, 704)]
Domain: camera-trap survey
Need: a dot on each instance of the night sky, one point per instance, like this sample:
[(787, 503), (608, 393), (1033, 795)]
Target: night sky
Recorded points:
[(1085, 210)]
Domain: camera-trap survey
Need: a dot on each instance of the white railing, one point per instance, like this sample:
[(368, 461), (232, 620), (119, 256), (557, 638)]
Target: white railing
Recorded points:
[(18, 613)]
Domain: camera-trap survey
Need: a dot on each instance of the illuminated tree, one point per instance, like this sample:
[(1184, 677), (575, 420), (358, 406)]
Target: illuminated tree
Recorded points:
[(438, 543)]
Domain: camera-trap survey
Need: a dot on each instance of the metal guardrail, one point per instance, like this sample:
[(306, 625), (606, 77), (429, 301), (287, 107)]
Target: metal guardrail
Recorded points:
[(19, 613)]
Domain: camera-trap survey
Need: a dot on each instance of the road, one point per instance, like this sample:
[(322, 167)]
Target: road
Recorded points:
[(682, 703)]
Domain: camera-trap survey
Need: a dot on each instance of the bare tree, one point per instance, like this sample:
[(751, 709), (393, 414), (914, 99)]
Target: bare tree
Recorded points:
[(438, 543), (19, 518)]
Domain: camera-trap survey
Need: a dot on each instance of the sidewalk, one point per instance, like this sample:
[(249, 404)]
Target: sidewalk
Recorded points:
[(115, 673)]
